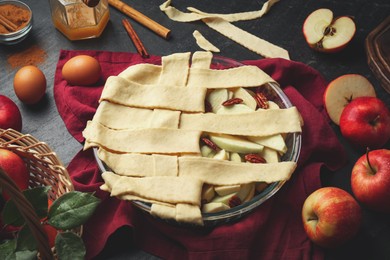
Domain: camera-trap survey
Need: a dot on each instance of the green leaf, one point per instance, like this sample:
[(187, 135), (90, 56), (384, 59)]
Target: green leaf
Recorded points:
[(26, 255), (69, 246), (25, 240), (38, 199), (72, 210), (7, 249)]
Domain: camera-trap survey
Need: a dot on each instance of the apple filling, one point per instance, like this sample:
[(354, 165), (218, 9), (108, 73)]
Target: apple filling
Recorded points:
[(240, 149)]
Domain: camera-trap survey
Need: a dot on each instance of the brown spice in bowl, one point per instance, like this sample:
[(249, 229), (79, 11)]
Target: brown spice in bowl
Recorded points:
[(15, 14)]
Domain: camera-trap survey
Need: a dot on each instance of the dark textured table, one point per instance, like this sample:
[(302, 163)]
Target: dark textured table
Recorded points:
[(282, 26)]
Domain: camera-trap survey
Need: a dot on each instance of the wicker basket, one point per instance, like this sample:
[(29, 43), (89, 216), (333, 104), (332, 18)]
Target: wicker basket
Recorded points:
[(45, 169)]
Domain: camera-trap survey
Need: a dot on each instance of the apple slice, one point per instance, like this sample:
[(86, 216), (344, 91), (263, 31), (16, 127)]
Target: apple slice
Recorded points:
[(235, 144), (250, 194), (226, 189), (245, 190), (246, 97), (325, 34), (275, 142), (208, 192), (235, 109), (343, 90), (272, 105), (235, 157), (206, 151), (230, 200), (216, 98), (221, 155), (214, 207), (270, 155)]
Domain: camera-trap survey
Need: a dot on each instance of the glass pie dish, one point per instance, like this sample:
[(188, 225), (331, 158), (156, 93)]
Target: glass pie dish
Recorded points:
[(292, 140)]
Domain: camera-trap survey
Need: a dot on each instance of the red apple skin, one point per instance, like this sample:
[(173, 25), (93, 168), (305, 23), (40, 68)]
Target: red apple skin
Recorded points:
[(10, 116), (365, 122), (16, 168), (331, 217), (371, 186)]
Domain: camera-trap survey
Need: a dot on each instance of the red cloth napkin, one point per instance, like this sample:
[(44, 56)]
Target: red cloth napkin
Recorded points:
[(274, 230)]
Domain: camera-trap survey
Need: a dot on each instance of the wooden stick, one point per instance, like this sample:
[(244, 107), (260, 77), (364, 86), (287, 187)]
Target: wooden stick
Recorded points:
[(7, 23), (135, 39), (141, 18)]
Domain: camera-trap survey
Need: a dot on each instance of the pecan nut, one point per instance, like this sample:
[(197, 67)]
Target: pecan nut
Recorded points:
[(261, 100), (254, 158), (234, 201), (232, 101), (210, 144)]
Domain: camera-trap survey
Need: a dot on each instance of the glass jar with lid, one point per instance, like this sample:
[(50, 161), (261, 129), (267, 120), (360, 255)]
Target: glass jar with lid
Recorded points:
[(78, 21)]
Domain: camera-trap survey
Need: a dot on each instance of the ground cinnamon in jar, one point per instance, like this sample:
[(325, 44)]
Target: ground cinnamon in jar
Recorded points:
[(16, 14)]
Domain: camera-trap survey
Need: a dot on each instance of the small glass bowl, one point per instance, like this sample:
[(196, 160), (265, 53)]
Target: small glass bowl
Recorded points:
[(19, 35), (293, 142)]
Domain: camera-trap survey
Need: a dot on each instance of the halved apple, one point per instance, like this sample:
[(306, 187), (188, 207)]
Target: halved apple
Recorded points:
[(235, 144), (326, 34), (343, 90)]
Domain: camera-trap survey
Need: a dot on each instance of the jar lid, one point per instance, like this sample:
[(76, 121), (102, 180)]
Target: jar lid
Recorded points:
[(378, 52)]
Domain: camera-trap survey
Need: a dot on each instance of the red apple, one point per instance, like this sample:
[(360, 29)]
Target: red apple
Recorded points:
[(51, 233), (370, 180), (331, 217), (10, 116), (365, 122), (327, 34), (15, 167)]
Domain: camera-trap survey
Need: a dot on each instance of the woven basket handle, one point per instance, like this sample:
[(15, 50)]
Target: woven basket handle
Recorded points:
[(26, 210)]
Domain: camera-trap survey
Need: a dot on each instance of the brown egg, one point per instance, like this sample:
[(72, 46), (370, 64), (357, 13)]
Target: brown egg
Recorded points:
[(29, 84), (82, 70)]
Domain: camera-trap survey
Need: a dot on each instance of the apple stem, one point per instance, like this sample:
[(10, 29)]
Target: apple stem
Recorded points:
[(368, 160), (373, 122)]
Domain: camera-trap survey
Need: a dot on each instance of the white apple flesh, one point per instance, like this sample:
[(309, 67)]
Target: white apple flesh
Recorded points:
[(326, 34), (331, 217), (235, 144), (342, 90), (370, 180)]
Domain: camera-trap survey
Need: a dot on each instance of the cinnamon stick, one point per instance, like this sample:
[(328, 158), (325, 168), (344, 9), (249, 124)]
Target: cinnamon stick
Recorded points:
[(141, 18), (135, 39), (7, 23)]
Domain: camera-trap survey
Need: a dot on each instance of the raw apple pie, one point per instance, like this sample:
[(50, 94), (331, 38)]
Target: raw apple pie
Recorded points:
[(189, 139)]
